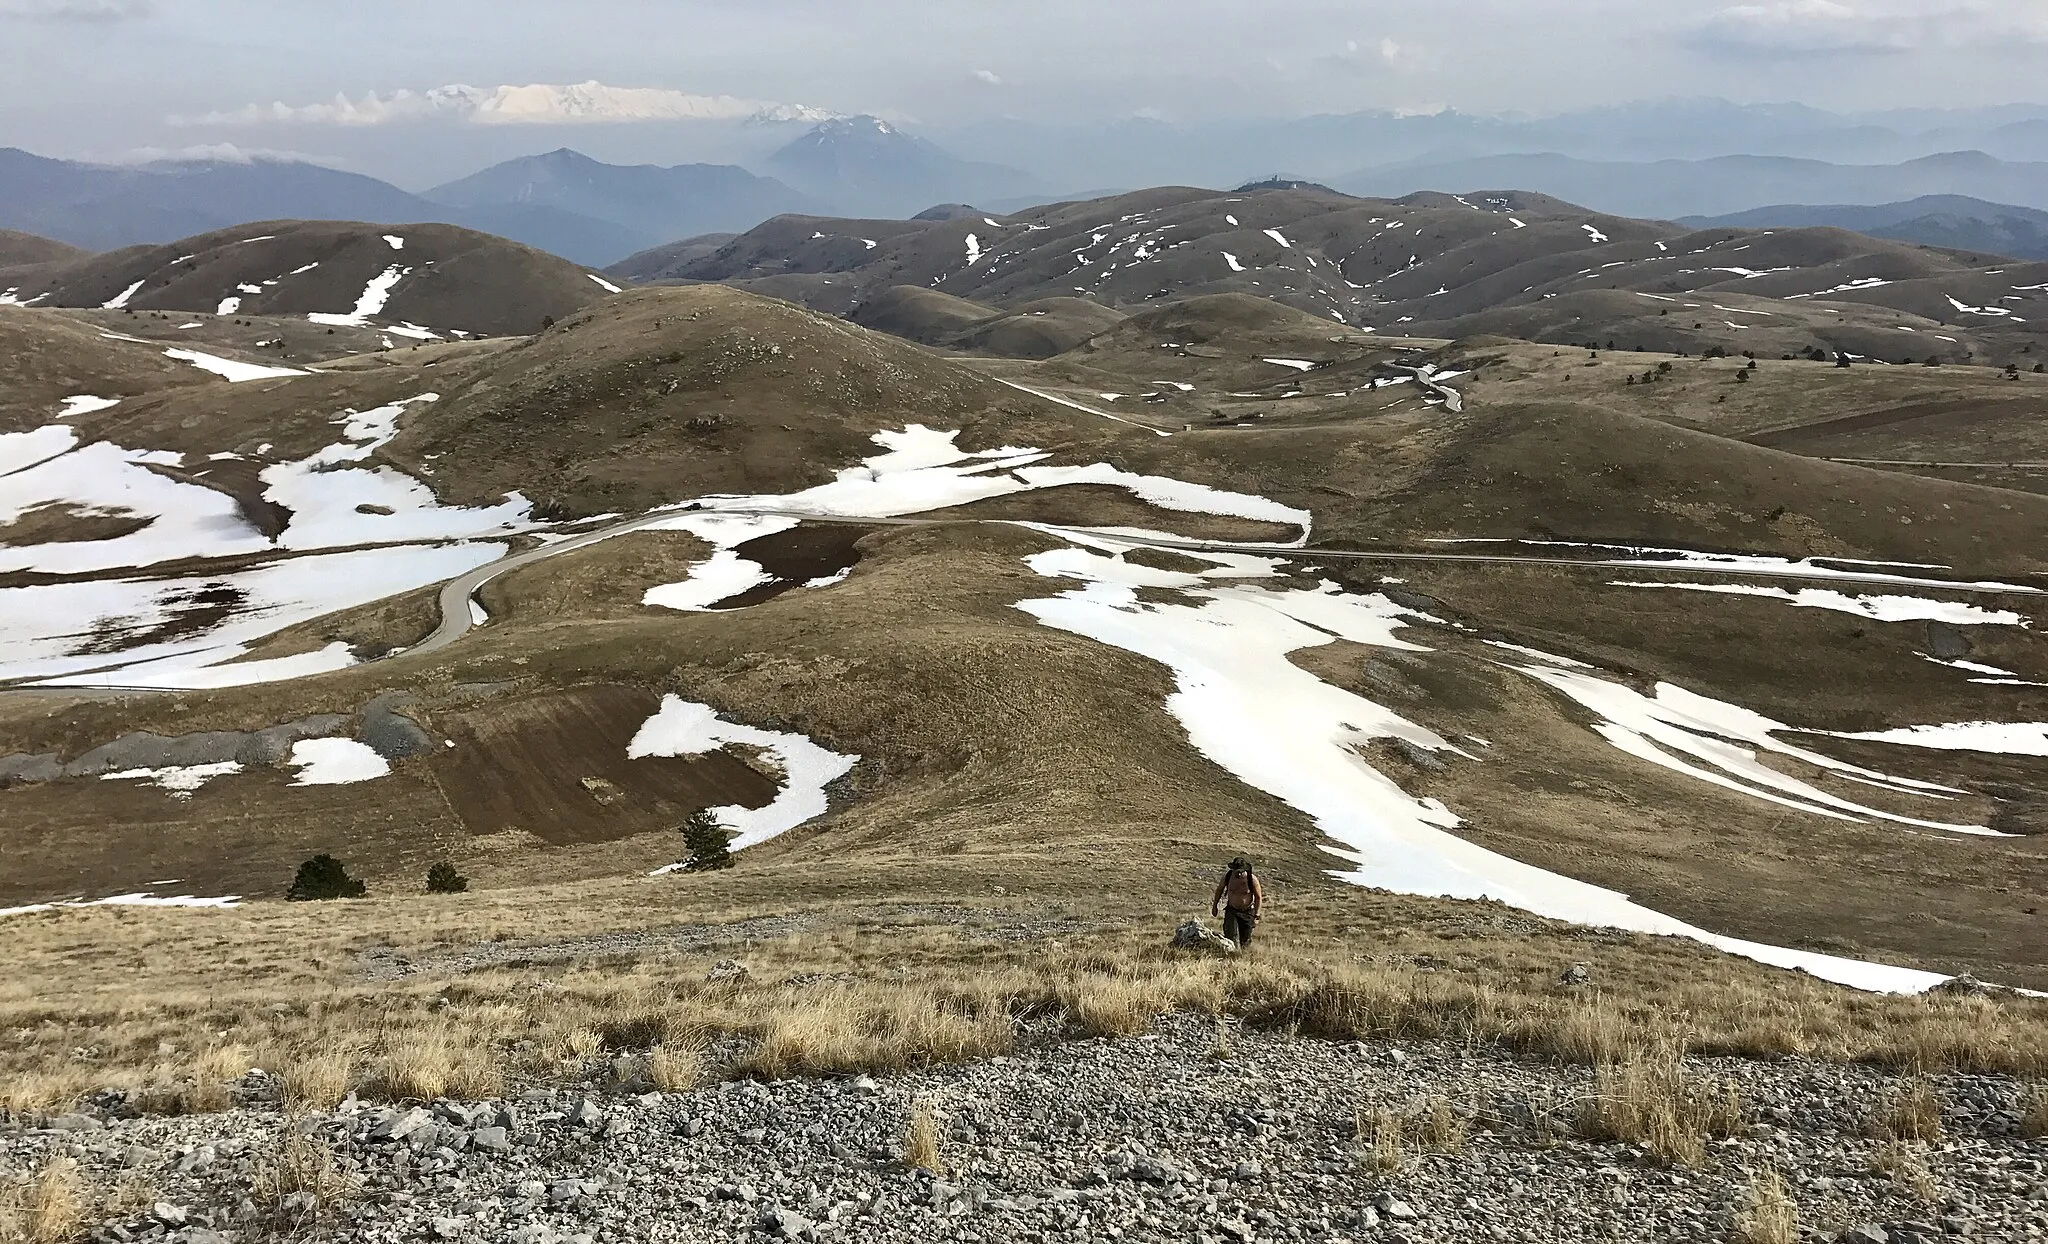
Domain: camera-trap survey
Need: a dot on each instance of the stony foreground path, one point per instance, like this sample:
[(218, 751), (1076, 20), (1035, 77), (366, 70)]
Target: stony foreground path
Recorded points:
[(1168, 1137)]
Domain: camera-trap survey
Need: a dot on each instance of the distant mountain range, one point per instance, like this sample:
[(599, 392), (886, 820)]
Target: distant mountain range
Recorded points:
[(598, 213), (650, 203), (1946, 220), (1670, 189), (563, 202)]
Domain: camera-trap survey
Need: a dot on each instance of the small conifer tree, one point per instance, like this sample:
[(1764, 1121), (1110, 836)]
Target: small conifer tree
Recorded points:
[(708, 841), (443, 879), (324, 877)]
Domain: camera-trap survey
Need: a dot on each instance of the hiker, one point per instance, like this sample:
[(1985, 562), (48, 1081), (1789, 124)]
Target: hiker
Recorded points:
[(1238, 899)]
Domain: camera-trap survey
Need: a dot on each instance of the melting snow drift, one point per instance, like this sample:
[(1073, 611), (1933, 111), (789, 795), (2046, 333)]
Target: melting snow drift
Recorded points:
[(682, 728)]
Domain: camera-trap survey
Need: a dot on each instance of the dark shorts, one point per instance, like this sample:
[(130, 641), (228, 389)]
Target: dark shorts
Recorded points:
[(1237, 926)]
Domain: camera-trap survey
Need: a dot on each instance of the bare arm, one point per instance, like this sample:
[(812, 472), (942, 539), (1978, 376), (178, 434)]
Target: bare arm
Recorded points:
[(1258, 895), (1216, 903)]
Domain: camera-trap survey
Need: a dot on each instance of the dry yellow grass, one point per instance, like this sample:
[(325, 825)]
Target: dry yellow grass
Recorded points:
[(1915, 1114), (673, 1069), (1647, 1099), (47, 1206), (317, 1079), (2034, 1111), (1440, 1128), (1903, 1164), (1382, 1140), (833, 998), (921, 1140), (1769, 1215), (301, 1180)]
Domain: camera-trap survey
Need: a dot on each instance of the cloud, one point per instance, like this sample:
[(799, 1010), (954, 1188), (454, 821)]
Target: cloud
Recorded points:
[(1373, 58), (221, 153), (1813, 28), (588, 103), (75, 10), (989, 76)]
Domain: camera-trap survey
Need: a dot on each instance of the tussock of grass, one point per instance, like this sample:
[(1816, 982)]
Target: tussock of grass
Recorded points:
[(1768, 1215), (317, 1079), (1914, 1114), (1647, 1099), (2034, 1111), (301, 1179), (921, 1140), (47, 1206), (1903, 1165), (1382, 1140), (673, 1069)]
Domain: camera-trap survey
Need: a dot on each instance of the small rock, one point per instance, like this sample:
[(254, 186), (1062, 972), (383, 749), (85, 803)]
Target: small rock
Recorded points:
[(727, 970), (1866, 1233), (491, 1140), (584, 1113), (1191, 935), (168, 1214), (446, 1228), (785, 1224), (1576, 974), (1394, 1207), (400, 1124)]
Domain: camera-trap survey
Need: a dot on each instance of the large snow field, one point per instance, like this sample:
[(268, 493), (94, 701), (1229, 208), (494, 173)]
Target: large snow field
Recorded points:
[(683, 728), (46, 630), (1280, 729)]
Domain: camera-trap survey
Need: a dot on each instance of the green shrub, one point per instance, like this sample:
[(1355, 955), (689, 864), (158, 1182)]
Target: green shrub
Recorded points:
[(324, 877), (708, 841), (443, 879)]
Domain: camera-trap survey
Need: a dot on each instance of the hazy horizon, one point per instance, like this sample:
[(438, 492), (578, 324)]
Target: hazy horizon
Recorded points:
[(368, 89)]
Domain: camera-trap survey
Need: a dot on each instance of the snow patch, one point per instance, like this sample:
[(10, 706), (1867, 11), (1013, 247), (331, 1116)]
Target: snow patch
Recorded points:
[(336, 762), (1996, 737), (120, 300), (370, 302), (683, 728), (609, 288), (84, 404), (179, 780), (234, 371), (1876, 608)]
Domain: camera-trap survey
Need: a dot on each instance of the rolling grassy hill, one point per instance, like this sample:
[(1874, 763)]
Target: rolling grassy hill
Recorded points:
[(420, 281)]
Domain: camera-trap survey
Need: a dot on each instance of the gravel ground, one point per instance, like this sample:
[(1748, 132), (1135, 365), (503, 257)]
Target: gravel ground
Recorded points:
[(1153, 1138)]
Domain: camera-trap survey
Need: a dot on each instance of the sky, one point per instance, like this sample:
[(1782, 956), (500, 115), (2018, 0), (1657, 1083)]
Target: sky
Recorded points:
[(353, 83)]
